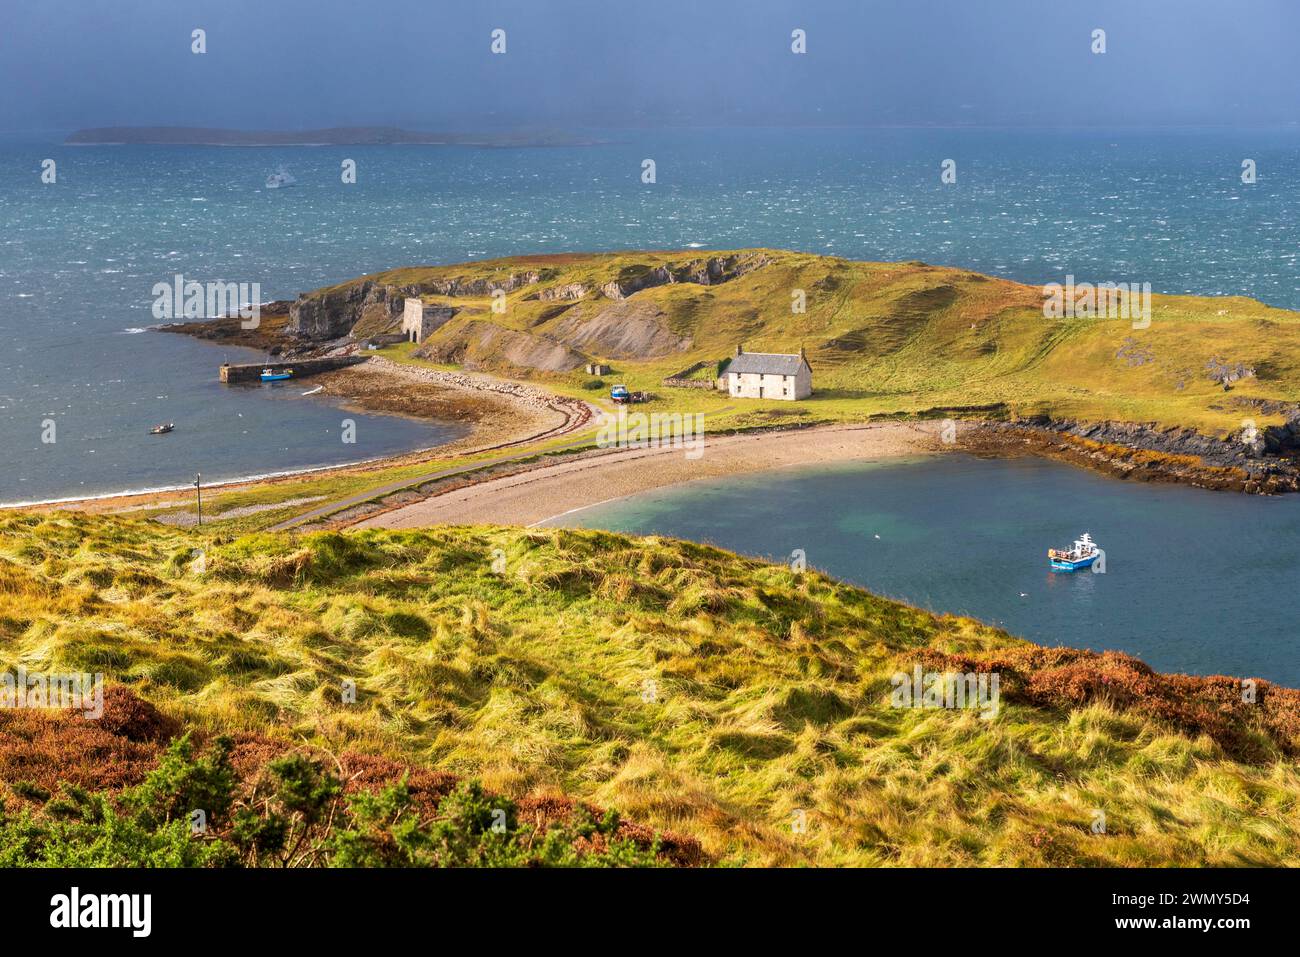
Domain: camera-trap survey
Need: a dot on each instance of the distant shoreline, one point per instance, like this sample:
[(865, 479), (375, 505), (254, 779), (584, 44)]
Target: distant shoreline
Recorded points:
[(333, 136)]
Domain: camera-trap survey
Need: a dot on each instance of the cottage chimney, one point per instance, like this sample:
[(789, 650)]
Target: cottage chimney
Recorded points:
[(740, 349)]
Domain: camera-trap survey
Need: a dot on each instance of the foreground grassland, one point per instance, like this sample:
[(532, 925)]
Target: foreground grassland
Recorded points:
[(695, 691)]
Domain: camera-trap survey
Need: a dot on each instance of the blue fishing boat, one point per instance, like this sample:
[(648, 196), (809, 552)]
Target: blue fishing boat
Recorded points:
[(271, 375), (1083, 554), (620, 394)]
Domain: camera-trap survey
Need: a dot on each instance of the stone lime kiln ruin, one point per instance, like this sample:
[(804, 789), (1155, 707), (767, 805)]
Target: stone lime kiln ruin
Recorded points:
[(420, 321)]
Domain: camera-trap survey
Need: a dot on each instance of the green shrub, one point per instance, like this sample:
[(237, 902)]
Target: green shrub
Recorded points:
[(294, 816), (474, 829), (30, 790), (183, 784)]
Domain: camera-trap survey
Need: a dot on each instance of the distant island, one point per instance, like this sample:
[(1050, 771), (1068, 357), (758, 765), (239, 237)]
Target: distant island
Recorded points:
[(333, 136)]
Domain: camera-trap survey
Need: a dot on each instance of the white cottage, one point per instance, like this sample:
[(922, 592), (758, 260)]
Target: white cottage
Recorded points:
[(769, 375)]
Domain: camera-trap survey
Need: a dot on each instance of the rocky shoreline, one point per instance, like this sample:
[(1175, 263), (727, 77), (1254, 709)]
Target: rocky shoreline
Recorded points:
[(1265, 462), (530, 404)]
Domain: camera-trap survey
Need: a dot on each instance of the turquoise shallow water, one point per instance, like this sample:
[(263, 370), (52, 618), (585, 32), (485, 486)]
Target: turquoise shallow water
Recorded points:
[(1196, 581), (78, 259)]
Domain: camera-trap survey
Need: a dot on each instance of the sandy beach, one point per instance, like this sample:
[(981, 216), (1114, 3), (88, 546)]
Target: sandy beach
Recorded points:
[(549, 491)]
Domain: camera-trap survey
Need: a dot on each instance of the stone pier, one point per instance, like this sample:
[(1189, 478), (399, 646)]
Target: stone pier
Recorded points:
[(302, 368)]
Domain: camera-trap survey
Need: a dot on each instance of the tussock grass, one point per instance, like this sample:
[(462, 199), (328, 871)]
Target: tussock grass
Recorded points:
[(697, 691)]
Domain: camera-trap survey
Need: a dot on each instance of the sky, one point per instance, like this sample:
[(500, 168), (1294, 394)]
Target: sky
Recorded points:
[(427, 64)]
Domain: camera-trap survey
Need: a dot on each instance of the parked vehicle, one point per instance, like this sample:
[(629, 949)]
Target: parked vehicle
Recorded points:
[(622, 396)]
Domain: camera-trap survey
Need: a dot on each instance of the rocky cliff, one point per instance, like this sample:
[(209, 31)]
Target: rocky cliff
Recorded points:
[(333, 313), (1243, 450), (372, 307), (707, 271), (368, 307)]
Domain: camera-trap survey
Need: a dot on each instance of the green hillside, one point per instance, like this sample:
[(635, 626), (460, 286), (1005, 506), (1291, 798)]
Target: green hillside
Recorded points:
[(717, 697), (881, 337)]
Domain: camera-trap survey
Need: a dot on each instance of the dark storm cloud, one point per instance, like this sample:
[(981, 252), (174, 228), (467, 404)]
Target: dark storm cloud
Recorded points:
[(426, 63)]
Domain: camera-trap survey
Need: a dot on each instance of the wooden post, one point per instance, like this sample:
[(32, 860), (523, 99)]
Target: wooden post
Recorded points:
[(198, 492)]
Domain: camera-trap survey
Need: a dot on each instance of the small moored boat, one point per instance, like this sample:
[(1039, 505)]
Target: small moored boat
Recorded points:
[(1082, 554), (162, 429), (272, 375)]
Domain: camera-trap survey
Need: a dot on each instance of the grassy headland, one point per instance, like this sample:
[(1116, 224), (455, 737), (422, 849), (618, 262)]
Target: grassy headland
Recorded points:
[(885, 340), (882, 338)]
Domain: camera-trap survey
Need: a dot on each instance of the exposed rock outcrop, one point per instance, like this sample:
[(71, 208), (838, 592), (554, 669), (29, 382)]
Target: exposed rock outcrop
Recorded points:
[(481, 286), (371, 308), (1283, 439), (635, 281), (1249, 449), (1236, 450), (565, 292), (1226, 373), (336, 312), (705, 272), (1264, 462)]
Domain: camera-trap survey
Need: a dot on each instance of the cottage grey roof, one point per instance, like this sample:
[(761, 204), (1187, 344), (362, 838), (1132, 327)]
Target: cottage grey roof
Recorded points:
[(765, 363)]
